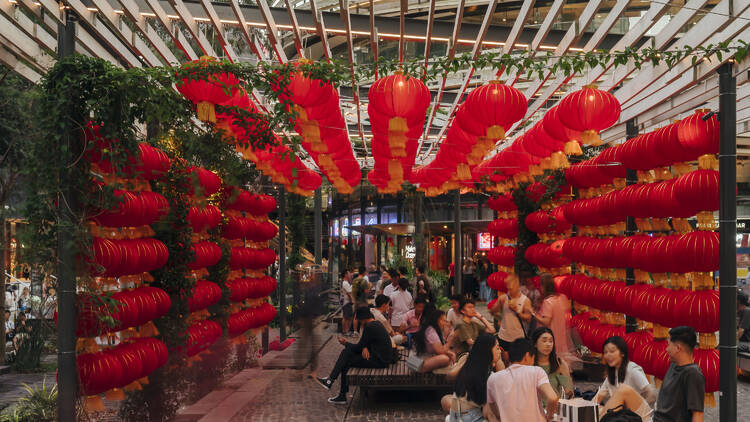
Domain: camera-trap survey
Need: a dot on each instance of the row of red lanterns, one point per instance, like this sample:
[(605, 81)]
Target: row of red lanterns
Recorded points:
[(543, 221), (250, 288), (121, 365), (667, 307), (252, 229), (504, 228), (248, 318), (134, 308), (205, 294), (253, 203), (502, 203), (136, 208), (121, 257), (690, 252), (206, 180), (203, 218), (201, 335), (504, 256), (688, 195), (147, 163), (254, 259), (323, 129), (546, 256), (397, 108), (207, 254)]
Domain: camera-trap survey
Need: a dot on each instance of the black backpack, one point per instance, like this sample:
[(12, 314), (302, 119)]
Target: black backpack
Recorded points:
[(620, 414)]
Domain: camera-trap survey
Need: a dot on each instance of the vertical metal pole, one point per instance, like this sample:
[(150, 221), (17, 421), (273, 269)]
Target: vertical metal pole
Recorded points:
[(362, 214), (282, 263), (379, 255), (419, 258), (727, 244), (350, 250), (458, 250), (318, 217), (67, 373), (631, 131)]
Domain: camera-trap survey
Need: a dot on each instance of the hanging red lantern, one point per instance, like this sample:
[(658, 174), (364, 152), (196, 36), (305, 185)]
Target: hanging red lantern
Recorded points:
[(555, 128), (490, 109), (206, 90), (504, 228), (699, 134), (700, 310), (496, 281), (708, 361), (698, 191), (589, 111)]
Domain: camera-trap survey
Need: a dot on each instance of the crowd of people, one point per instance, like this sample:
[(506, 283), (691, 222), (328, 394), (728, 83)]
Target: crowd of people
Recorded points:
[(515, 368), (18, 312)]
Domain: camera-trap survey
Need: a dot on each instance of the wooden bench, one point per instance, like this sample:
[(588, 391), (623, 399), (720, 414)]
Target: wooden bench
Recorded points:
[(743, 361), (397, 376)]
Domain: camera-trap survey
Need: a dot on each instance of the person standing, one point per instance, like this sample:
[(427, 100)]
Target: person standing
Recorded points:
[(347, 303), (516, 310), (467, 278), (390, 288), (555, 314), (373, 350), (529, 289), (513, 393), (373, 275), (10, 326), (743, 325), (24, 302), (681, 394), (360, 288), (401, 302), (422, 285)]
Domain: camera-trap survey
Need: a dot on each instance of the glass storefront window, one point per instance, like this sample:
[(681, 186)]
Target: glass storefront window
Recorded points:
[(388, 215)]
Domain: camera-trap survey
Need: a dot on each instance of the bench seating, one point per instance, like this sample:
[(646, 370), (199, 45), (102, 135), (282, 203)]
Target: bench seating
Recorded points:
[(743, 361)]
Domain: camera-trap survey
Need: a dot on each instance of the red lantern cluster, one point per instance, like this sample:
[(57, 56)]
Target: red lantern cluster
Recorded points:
[(481, 120), (503, 256), (250, 288), (502, 203), (589, 111), (248, 318), (397, 107), (148, 163), (134, 308), (593, 332), (545, 256), (134, 209), (255, 259), (323, 130), (496, 281), (201, 335), (121, 257), (206, 88), (505, 228), (256, 231), (253, 203), (207, 181), (205, 294), (204, 218), (207, 254), (120, 366), (547, 222)]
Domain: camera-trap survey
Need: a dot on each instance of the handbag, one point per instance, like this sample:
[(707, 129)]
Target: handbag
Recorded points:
[(622, 415), (454, 416), (414, 362)]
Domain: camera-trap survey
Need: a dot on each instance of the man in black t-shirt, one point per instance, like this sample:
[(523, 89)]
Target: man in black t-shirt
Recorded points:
[(374, 350), (743, 325), (681, 393)]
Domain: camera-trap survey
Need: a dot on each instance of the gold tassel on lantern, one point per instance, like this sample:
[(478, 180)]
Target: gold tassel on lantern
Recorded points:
[(708, 162), (590, 137), (463, 172), (114, 394), (93, 404), (572, 148), (206, 112)]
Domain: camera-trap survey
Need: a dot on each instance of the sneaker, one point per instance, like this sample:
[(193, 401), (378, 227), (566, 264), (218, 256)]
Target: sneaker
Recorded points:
[(340, 399), (325, 382)]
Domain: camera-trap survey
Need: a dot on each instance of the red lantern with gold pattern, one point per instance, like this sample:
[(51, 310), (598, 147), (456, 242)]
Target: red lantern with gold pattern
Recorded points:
[(699, 134)]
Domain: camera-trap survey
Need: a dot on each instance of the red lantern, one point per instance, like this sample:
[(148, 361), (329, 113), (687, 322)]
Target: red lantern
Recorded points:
[(698, 134), (698, 190), (589, 111), (206, 90), (697, 251), (490, 109), (496, 281), (700, 310), (708, 361)]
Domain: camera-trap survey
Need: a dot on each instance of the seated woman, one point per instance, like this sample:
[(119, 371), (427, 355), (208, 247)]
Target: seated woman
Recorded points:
[(622, 372), (545, 357), (469, 399), (429, 342)]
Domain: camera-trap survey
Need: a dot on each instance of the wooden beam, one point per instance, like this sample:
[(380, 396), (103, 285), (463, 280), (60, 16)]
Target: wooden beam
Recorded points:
[(344, 12), (219, 30), (179, 40), (18, 66), (295, 29), (90, 18), (271, 30), (428, 37), (192, 27), (131, 39), (132, 11), (249, 38), (320, 26)]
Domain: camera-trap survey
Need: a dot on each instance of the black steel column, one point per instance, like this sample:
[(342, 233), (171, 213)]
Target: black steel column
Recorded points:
[(69, 210), (350, 250), (631, 131), (362, 214), (457, 249), (419, 257), (379, 254), (282, 263), (727, 244), (318, 217)]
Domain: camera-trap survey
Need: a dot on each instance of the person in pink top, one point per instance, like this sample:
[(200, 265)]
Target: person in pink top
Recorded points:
[(412, 318), (555, 314)]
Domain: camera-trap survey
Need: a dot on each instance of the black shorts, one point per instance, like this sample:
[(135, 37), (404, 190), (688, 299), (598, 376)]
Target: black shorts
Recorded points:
[(348, 310)]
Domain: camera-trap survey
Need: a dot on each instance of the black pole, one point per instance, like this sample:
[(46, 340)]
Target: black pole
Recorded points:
[(282, 263), (69, 210), (362, 214), (350, 238), (419, 257), (318, 243), (727, 244), (458, 250), (379, 254), (631, 131)]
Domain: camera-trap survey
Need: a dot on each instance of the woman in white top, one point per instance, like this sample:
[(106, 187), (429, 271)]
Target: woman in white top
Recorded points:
[(401, 302), (622, 372), (516, 310)]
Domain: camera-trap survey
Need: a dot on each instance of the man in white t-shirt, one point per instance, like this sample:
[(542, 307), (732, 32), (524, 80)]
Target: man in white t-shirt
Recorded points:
[(393, 286), (382, 306), (347, 308), (513, 393)]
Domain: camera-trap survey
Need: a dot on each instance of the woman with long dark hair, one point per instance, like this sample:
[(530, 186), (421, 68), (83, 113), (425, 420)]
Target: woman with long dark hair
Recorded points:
[(622, 372), (430, 344), (546, 358), (469, 397)]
